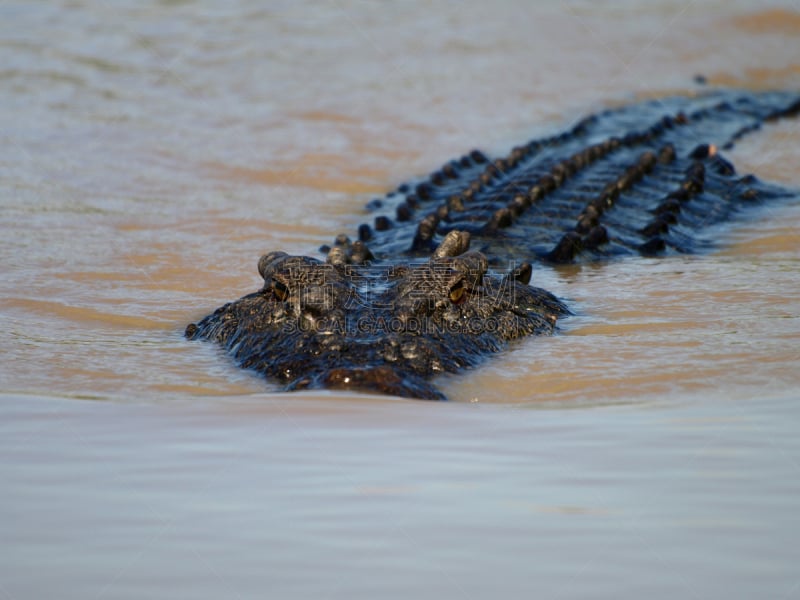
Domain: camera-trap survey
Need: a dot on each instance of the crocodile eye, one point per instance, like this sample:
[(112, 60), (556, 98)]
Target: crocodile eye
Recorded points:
[(280, 290), (458, 293)]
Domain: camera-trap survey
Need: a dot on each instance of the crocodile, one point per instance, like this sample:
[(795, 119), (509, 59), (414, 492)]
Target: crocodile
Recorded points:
[(420, 291)]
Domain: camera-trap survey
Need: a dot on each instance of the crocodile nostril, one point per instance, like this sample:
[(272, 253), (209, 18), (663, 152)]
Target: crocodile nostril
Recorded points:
[(381, 379)]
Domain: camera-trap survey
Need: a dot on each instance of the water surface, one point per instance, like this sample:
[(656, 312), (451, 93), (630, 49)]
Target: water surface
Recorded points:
[(151, 152)]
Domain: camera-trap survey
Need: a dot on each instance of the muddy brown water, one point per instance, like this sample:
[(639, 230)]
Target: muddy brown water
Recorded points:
[(151, 152)]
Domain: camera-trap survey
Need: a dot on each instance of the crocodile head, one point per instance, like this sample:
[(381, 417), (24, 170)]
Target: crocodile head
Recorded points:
[(386, 329)]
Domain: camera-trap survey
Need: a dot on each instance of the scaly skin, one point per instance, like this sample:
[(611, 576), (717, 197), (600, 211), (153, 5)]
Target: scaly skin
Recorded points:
[(417, 301), (316, 324)]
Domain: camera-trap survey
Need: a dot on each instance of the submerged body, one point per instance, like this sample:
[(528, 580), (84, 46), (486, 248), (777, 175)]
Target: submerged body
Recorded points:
[(414, 296)]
